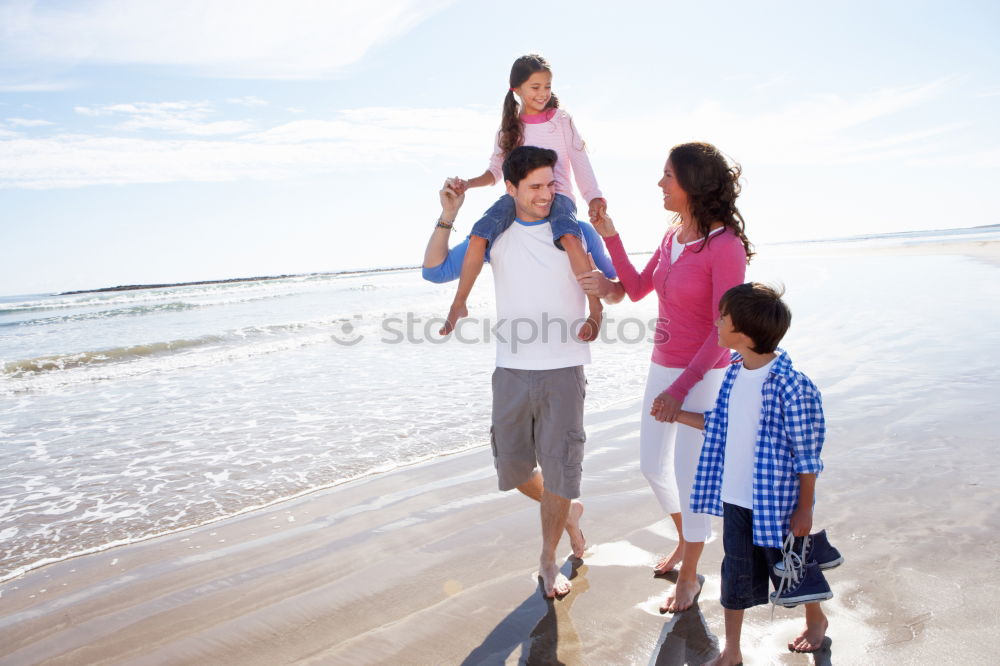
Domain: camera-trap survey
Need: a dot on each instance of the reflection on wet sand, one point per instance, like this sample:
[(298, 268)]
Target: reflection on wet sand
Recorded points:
[(687, 640), (685, 637), (540, 627)]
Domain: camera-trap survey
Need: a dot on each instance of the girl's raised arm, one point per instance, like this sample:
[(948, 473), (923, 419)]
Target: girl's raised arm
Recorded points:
[(583, 172)]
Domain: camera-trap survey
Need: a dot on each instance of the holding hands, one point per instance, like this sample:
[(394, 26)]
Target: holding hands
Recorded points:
[(604, 224), (595, 283), (452, 196), (598, 207), (665, 408), (460, 185)]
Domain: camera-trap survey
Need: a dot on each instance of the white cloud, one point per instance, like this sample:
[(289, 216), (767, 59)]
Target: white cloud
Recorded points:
[(984, 158), (296, 39), (773, 82), (36, 86), (820, 129), (363, 138), (815, 131), (176, 117), (28, 122), (248, 100)]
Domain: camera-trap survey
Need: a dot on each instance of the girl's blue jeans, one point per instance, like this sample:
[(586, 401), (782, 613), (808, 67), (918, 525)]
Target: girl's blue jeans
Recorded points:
[(501, 215)]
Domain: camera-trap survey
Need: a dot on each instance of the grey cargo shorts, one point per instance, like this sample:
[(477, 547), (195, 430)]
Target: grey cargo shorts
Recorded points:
[(538, 420)]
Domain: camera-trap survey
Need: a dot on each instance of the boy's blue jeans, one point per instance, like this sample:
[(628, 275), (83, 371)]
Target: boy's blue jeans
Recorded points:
[(500, 216), (746, 567)]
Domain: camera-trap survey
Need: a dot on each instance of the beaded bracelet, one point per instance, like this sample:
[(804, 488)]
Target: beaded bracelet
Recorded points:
[(446, 225)]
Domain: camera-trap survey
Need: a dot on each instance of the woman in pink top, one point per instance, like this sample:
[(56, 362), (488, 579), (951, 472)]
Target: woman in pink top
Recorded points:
[(703, 253)]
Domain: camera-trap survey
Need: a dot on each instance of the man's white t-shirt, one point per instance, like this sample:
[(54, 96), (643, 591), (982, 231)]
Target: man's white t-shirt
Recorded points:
[(745, 403), (540, 305)]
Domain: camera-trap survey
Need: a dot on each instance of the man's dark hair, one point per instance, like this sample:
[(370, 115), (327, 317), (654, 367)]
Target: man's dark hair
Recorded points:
[(758, 312), (524, 159)]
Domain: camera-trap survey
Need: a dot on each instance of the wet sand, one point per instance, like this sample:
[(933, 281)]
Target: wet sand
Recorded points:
[(432, 565)]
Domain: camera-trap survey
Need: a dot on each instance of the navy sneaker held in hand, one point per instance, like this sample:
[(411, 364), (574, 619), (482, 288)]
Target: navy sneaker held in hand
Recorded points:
[(816, 548), (802, 586)]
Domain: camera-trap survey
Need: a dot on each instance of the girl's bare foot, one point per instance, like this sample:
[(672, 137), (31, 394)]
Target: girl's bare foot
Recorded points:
[(591, 328), (457, 311)]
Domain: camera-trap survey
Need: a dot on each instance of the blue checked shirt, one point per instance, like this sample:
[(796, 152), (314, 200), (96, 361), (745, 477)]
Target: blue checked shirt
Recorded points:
[(789, 440)]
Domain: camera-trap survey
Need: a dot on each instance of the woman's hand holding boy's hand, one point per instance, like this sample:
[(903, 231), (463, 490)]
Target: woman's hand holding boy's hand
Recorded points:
[(604, 225), (802, 521), (665, 408), (598, 207)]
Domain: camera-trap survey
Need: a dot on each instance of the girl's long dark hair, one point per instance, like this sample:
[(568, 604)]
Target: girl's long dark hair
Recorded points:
[(712, 186), (511, 128)]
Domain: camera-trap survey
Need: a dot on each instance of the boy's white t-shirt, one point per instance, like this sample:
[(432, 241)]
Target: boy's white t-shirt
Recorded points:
[(540, 305), (745, 404)]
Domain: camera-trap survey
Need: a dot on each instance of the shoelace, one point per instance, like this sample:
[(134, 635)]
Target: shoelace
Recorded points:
[(794, 564)]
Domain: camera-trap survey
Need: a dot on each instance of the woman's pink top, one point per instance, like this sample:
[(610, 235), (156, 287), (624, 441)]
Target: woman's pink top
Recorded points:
[(689, 292)]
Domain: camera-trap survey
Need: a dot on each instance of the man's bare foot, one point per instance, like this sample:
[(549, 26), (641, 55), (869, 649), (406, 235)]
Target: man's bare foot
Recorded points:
[(554, 584), (576, 539), (457, 311), (669, 562), (684, 593), (727, 658), (811, 638)]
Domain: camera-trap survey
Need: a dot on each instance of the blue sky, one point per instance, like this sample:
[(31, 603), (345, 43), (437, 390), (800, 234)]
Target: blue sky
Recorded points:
[(150, 142)]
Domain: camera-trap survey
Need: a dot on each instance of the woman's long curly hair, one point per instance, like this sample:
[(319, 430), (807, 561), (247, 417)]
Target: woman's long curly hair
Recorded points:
[(712, 186), (511, 128)]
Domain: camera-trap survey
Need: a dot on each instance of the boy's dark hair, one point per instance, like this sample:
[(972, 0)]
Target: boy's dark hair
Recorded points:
[(524, 159), (758, 312)]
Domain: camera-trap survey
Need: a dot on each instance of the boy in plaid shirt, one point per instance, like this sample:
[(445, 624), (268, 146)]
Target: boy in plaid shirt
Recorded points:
[(759, 464)]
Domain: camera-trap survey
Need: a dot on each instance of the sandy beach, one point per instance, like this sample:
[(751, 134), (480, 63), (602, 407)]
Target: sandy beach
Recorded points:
[(430, 564)]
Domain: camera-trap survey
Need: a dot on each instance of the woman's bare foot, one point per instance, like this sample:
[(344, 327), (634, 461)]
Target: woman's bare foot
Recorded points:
[(669, 562), (554, 584), (683, 597), (576, 538), (727, 658), (811, 638)]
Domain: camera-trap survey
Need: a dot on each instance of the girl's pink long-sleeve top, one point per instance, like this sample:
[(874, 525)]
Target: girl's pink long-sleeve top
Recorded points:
[(689, 293), (554, 129)]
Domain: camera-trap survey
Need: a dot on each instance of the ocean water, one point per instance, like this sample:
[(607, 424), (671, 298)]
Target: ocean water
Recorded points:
[(125, 415), (129, 414)]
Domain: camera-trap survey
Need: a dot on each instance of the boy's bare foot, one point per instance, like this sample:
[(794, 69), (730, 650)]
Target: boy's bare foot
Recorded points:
[(669, 562), (727, 658), (811, 638), (576, 539), (591, 328), (554, 584), (684, 593), (457, 311)]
